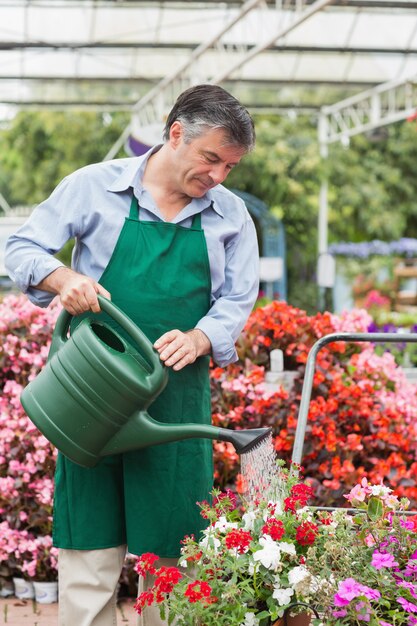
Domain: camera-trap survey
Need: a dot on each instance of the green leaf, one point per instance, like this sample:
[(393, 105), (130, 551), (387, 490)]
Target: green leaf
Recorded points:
[(375, 508), (262, 615)]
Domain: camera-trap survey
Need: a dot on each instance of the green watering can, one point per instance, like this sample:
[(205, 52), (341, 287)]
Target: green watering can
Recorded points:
[(91, 398)]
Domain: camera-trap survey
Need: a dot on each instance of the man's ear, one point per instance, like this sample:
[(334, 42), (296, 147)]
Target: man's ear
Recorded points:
[(175, 134)]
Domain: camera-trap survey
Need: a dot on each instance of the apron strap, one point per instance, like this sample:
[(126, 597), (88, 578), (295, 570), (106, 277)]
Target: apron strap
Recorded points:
[(134, 208), (196, 223), (134, 214)]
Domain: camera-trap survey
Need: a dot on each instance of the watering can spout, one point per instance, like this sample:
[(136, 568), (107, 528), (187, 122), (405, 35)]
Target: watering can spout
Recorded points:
[(142, 431)]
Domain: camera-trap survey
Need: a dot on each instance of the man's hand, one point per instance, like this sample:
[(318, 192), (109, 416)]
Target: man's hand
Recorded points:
[(77, 292), (178, 349)]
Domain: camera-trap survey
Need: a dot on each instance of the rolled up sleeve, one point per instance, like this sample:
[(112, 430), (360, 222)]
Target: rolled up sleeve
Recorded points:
[(229, 312), (29, 252)]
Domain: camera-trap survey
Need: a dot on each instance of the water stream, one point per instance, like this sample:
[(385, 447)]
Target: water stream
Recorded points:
[(260, 473)]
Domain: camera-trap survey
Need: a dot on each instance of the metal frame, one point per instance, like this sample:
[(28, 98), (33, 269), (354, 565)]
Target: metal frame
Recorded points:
[(44, 89), (297, 454), (383, 105)]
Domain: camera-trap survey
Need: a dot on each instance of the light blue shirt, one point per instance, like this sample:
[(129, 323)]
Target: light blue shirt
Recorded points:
[(91, 205)]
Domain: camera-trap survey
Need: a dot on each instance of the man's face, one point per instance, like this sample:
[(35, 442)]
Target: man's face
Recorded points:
[(204, 162)]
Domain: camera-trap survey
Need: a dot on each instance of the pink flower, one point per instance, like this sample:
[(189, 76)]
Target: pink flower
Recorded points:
[(410, 607), (356, 320), (346, 591), (383, 559), (349, 589), (411, 568), (357, 493), (369, 541), (410, 586), (362, 612)]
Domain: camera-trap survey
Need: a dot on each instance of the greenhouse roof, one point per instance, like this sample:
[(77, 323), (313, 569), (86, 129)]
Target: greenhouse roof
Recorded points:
[(110, 54)]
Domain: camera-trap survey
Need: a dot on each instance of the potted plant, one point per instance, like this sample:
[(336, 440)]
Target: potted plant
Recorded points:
[(16, 551), (45, 575), (259, 565), (248, 567), (365, 561)]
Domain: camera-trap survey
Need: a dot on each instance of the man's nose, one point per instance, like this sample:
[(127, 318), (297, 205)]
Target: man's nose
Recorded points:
[(218, 173)]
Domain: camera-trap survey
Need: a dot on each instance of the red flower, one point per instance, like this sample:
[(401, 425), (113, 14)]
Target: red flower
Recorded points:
[(302, 492), (197, 590), (290, 504), (145, 564), (146, 598), (226, 500), (274, 528), (325, 518), (239, 539), (299, 496), (166, 578), (306, 533)]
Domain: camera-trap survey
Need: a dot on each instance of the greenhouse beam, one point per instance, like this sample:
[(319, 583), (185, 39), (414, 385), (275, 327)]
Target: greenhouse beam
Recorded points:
[(150, 109)]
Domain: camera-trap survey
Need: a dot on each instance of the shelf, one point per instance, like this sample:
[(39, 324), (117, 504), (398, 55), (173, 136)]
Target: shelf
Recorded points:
[(406, 271)]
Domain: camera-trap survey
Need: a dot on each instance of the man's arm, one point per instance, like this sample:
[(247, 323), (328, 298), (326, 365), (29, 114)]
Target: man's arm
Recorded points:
[(232, 306)]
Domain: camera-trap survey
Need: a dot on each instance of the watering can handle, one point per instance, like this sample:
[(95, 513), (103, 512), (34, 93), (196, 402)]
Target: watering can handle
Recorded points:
[(59, 337)]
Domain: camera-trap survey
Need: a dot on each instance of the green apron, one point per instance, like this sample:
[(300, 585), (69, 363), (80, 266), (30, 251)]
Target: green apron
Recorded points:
[(159, 274)]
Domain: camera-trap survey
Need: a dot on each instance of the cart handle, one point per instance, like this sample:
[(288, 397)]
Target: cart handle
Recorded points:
[(297, 454)]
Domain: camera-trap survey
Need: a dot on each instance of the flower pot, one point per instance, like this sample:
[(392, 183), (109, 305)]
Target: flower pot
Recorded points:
[(23, 589), (6, 588), (302, 619), (46, 592)]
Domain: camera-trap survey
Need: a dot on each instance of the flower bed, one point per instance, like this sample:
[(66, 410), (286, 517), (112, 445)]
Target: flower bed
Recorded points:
[(362, 420), (363, 412), (27, 460)]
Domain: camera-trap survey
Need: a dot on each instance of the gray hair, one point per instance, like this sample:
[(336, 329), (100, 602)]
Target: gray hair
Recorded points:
[(207, 107)]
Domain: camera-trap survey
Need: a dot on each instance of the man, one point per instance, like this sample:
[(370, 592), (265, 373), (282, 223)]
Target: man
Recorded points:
[(178, 253)]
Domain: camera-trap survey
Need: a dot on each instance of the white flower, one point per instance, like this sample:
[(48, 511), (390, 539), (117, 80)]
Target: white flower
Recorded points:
[(250, 620), (297, 574), (340, 516), (252, 567), (249, 519), (270, 554), (379, 490), (322, 584), (288, 548), (283, 596), (183, 563), (301, 580), (222, 524), (273, 509), (306, 513), (210, 541), (391, 502)]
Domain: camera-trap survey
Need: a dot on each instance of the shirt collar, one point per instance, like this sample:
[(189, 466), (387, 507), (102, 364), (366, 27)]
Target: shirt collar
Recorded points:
[(132, 176), (213, 198), (133, 173)]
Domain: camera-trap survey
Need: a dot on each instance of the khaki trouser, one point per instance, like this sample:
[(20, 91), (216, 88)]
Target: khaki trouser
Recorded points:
[(88, 588)]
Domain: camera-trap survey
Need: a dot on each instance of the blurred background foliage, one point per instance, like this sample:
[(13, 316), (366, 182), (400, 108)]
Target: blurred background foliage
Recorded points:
[(372, 183)]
